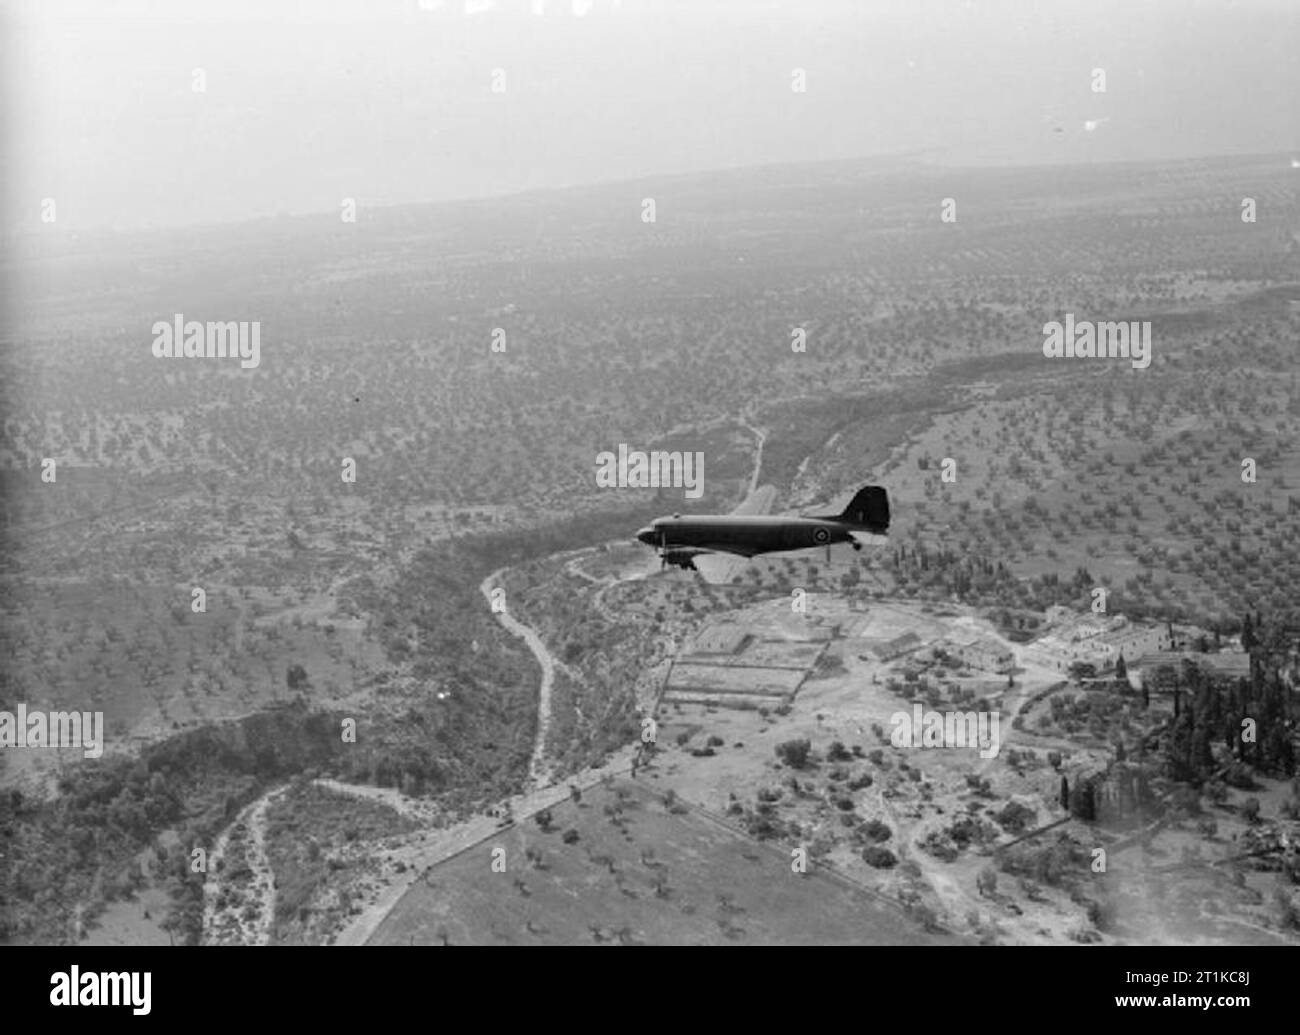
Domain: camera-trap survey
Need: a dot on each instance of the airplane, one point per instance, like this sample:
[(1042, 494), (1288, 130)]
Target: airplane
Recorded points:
[(680, 540)]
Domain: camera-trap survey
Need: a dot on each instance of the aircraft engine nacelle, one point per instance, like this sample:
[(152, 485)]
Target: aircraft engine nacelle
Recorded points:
[(681, 558)]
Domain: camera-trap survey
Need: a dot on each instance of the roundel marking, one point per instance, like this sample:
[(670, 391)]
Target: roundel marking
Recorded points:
[(821, 535)]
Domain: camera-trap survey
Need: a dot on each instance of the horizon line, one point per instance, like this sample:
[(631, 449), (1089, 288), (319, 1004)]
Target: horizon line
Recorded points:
[(913, 157)]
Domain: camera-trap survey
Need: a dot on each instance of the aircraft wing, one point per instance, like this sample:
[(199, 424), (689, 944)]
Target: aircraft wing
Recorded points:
[(757, 502), (719, 568)]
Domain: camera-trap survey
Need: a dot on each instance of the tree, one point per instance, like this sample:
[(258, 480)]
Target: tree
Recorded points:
[(1081, 670), (794, 753), (987, 881), (1121, 669), (296, 677), (1083, 801), (544, 819), (1248, 638), (879, 857), (1065, 793)]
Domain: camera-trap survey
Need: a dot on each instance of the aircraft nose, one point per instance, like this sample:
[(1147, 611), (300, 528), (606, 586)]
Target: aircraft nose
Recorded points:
[(646, 535)]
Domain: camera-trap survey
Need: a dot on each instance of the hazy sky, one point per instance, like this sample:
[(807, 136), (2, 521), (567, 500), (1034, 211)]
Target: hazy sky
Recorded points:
[(385, 101)]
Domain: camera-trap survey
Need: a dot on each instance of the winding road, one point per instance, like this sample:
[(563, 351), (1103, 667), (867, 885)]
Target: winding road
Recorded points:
[(538, 773), (760, 437), (234, 923)]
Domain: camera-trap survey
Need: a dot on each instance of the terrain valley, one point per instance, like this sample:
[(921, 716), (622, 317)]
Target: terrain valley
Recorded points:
[(380, 662)]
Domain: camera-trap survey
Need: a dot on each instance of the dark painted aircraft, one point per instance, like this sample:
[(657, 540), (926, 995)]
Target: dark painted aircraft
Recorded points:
[(680, 540)]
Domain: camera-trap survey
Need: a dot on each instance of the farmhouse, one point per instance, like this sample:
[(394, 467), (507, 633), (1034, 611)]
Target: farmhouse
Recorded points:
[(1132, 640), (1097, 640), (982, 653)]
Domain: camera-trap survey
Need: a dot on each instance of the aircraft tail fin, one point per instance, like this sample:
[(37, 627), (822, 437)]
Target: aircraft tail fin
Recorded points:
[(869, 509)]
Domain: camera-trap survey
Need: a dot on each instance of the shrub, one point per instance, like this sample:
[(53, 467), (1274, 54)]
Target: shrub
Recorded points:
[(879, 857), (794, 753), (1101, 915), (1015, 818), (938, 845), (1186, 800), (925, 916), (1286, 913)]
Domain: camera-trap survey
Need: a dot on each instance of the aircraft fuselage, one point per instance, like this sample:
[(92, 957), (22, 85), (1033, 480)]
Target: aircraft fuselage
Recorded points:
[(744, 535)]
